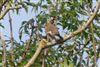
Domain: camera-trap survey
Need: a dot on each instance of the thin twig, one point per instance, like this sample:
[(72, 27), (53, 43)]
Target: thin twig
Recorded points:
[(4, 50), (92, 38), (81, 56), (27, 46), (98, 52), (43, 61), (94, 45), (11, 38)]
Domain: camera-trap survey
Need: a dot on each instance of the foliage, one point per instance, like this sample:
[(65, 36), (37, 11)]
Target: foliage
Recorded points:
[(71, 15)]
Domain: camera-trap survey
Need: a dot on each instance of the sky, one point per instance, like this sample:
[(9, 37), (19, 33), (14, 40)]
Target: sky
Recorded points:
[(16, 22)]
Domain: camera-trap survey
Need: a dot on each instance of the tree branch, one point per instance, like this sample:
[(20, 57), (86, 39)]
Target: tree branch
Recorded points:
[(41, 45), (12, 39), (4, 50), (81, 29), (7, 10), (94, 45), (93, 39)]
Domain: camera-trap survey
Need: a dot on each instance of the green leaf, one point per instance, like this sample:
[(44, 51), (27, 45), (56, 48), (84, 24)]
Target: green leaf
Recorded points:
[(53, 13), (49, 1), (65, 63), (1, 25), (71, 65), (24, 6), (75, 60), (44, 6)]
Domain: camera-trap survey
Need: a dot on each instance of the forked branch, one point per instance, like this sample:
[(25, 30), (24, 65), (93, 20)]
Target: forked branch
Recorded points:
[(83, 27)]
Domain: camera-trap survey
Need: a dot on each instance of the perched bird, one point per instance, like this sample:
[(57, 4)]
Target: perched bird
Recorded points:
[(52, 34), (52, 31)]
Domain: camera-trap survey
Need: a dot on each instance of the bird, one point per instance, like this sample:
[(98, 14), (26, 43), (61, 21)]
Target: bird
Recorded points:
[(52, 31), (52, 34)]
